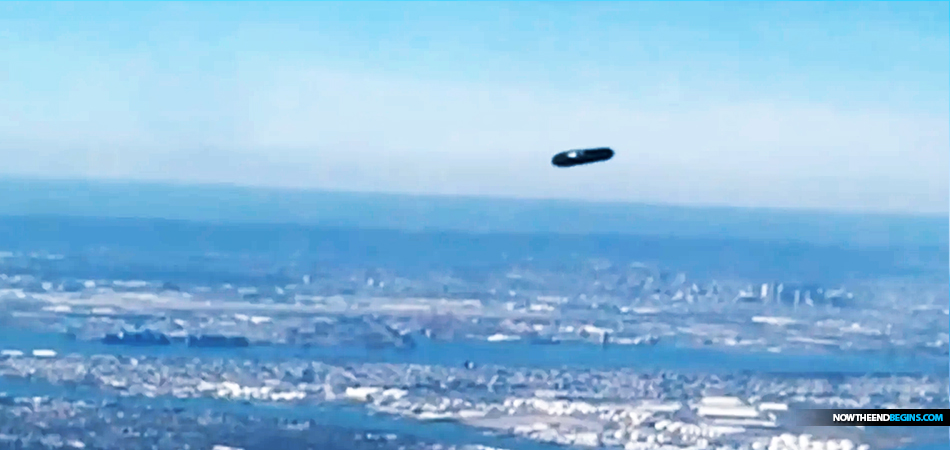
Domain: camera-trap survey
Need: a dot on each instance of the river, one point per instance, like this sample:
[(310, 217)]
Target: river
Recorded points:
[(524, 354), (455, 354)]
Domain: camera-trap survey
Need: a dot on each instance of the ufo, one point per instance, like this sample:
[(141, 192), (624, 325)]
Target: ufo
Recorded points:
[(573, 158)]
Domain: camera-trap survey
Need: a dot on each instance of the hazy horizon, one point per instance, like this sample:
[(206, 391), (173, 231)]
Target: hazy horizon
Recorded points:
[(162, 183), (838, 105), (235, 205)]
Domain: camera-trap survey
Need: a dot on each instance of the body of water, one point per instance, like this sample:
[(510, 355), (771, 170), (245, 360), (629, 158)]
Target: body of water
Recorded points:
[(203, 235), (453, 354), (519, 354)]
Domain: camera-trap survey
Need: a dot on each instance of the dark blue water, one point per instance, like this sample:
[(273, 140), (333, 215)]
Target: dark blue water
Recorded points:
[(937, 446), (455, 354)]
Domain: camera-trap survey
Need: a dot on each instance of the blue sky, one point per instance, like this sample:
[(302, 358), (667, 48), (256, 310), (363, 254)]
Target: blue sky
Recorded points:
[(839, 105)]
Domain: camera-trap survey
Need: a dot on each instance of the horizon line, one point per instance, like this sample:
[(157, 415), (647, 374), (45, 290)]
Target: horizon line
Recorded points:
[(489, 197)]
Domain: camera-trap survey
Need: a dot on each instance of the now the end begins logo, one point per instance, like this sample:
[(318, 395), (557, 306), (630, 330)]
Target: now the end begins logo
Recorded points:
[(876, 417)]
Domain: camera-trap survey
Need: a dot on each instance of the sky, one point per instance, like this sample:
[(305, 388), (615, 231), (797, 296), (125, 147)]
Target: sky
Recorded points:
[(839, 105)]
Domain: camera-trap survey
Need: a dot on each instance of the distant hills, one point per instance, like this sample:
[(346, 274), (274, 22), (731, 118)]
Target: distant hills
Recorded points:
[(231, 204)]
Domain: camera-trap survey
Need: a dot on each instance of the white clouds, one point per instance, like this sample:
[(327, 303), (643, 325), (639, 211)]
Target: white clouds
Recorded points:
[(283, 124)]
